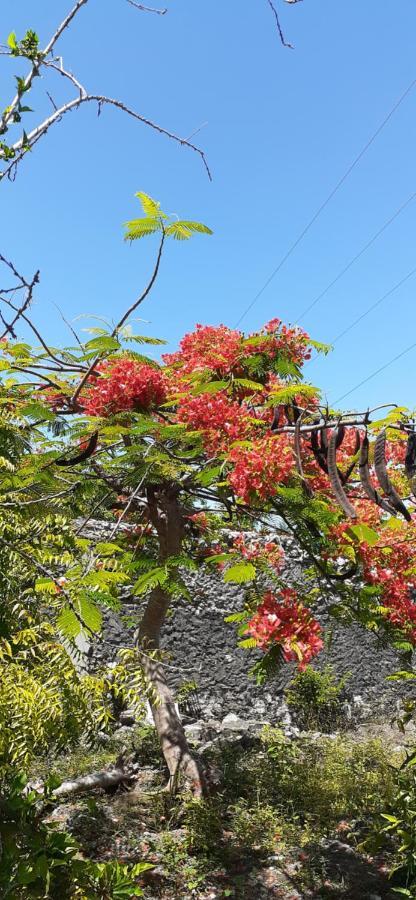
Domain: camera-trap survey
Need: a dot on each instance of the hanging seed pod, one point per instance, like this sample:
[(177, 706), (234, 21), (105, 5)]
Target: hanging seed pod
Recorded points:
[(365, 479), (340, 435), (324, 445), (318, 453), (410, 461), (81, 457), (276, 417), (335, 479), (298, 458), (383, 478)]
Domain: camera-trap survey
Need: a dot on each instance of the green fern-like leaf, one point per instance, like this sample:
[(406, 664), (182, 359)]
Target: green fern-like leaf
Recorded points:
[(90, 614), (68, 624), (139, 228), (240, 573), (150, 580), (182, 231), (248, 643), (150, 207)]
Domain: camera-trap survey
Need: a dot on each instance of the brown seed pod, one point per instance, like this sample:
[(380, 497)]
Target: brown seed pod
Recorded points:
[(276, 417), (410, 461), (335, 479), (318, 453), (81, 457), (383, 478), (365, 479)]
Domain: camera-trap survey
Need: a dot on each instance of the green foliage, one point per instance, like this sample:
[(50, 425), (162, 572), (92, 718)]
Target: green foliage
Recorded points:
[(147, 746), (315, 697), (309, 783), (256, 826), (399, 823), (240, 573), (155, 220), (38, 861), (46, 703), (204, 824)]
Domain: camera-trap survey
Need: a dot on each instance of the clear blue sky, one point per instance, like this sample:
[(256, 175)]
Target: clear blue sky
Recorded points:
[(283, 126)]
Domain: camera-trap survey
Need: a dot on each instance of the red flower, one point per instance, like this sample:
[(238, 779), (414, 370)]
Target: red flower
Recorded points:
[(286, 622), (124, 384), (259, 469)]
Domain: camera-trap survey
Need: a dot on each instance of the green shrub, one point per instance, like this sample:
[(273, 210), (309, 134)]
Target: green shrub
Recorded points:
[(327, 780), (204, 824), (256, 826), (399, 823), (315, 698), (147, 746), (39, 861)]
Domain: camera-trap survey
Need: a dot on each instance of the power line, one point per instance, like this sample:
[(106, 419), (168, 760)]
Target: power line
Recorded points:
[(328, 199), (377, 372), (368, 310), (356, 257), (374, 306)]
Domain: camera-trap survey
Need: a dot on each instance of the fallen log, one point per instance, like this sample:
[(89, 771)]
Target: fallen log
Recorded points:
[(104, 780)]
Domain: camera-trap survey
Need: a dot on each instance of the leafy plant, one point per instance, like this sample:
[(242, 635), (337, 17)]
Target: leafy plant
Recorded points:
[(316, 699), (38, 861), (256, 826)]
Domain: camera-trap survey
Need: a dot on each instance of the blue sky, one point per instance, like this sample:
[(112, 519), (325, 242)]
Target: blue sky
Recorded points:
[(283, 126)]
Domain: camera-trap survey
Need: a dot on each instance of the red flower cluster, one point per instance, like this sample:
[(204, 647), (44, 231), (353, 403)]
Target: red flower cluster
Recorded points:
[(200, 520), (264, 551), (293, 343), (124, 384), (391, 564), (218, 348), (388, 564), (260, 468), (224, 350), (221, 419), (287, 622)]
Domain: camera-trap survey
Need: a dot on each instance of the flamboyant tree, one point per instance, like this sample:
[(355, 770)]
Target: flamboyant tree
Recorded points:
[(194, 453)]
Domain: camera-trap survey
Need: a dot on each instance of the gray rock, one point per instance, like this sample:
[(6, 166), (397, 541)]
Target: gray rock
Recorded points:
[(231, 722), (127, 717)]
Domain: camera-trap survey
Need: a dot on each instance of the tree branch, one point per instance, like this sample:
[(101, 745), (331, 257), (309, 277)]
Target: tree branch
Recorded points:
[(34, 71), (123, 319), (151, 9), (278, 25), (22, 145)]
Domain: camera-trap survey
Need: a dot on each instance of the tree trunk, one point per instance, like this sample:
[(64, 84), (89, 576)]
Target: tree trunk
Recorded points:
[(165, 514)]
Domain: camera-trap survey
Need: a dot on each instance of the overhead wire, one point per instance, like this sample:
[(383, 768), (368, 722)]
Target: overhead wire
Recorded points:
[(377, 372), (356, 257), (366, 312), (327, 200)]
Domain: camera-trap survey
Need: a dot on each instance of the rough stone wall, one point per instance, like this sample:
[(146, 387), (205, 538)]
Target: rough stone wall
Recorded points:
[(202, 648)]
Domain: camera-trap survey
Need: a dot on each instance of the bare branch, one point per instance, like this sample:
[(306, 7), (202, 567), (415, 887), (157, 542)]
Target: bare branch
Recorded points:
[(159, 12), (28, 286), (21, 146), (278, 25)]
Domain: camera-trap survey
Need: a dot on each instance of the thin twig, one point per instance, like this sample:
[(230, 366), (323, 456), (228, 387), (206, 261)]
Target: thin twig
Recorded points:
[(126, 315), (278, 25), (151, 9), (34, 71)]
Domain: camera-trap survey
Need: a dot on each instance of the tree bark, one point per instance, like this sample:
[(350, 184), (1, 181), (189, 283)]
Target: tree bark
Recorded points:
[(166, 517)]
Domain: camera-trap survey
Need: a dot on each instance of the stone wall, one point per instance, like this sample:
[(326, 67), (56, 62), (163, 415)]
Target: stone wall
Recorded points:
[(202, 648)]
